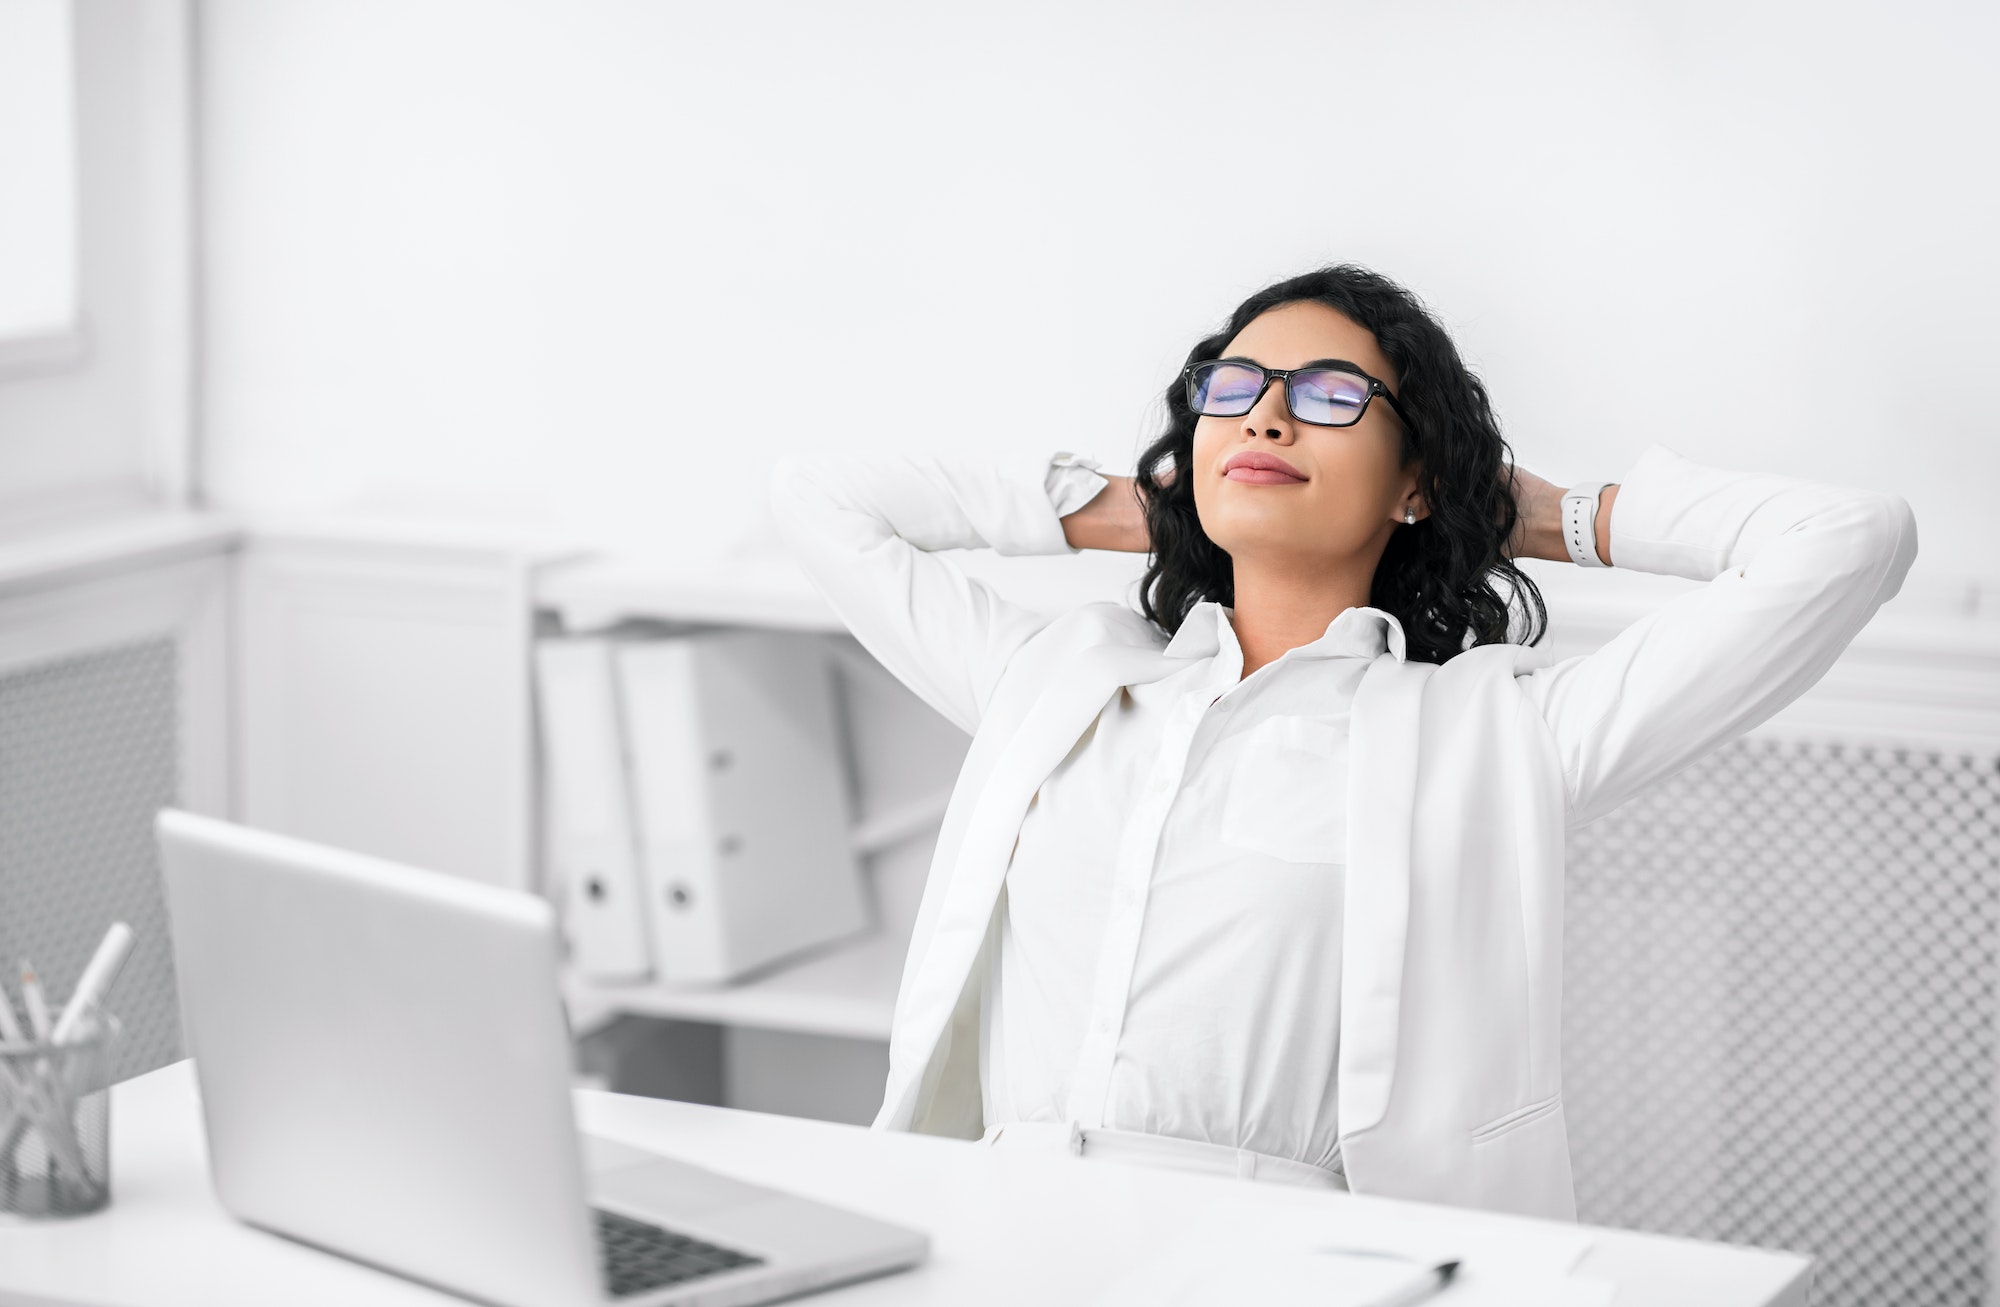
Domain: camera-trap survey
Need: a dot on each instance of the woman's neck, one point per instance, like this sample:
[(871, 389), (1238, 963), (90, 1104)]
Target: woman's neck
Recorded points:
[(1280, 607)]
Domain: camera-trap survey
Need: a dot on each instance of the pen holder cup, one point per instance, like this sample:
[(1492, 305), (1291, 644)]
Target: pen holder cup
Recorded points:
[(55, 1123)]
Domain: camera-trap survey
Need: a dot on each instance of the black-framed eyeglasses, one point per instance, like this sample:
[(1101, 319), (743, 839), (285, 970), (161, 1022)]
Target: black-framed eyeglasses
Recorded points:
[(1327, 393)]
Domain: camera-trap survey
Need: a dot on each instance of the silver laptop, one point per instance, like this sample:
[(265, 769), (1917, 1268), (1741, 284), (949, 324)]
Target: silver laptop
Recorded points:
[(384, 1070)]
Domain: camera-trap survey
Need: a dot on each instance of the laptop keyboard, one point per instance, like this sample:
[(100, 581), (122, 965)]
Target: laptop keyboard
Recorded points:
[(637, 1256)]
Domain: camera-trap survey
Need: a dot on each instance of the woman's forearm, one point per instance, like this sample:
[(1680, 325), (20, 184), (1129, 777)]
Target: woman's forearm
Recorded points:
[(1115, 519), (1539, 532)]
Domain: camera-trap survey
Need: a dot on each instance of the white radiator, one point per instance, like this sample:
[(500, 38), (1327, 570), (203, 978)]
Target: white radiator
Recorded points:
[(90, 747), (1779, 1023), (114, 699)]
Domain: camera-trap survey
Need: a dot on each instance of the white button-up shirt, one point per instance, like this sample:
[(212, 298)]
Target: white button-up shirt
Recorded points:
[(1169, 950)]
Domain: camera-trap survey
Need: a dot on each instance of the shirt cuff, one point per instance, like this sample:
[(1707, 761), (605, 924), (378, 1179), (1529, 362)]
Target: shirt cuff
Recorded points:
[(1072, 481), (1037, 489), (1682, 518)]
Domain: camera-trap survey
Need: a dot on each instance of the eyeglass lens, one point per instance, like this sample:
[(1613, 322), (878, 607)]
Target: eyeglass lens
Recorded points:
[(1324, 396)]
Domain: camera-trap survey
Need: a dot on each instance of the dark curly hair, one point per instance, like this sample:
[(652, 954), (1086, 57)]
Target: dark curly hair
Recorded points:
[(1441, 575)]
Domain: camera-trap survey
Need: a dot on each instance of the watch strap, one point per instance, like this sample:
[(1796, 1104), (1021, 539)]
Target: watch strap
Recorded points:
[(1579, 523)]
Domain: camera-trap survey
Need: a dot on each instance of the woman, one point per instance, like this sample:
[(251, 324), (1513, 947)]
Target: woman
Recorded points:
[(1267, 876)]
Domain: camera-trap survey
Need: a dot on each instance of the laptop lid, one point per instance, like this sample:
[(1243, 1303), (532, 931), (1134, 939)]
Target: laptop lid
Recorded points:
[(382, 1055)]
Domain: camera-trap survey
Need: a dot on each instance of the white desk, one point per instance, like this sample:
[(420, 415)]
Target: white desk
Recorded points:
[(1006, 1227)]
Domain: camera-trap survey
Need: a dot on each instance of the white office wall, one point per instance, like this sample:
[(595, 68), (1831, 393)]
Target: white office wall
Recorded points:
[(102, 418), (592, 266)]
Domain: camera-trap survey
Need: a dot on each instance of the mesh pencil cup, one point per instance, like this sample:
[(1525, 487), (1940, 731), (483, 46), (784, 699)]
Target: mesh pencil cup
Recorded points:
[(55, 1123)]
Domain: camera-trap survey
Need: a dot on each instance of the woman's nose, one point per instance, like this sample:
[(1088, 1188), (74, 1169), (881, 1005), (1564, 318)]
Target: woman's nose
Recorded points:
[(1269, 416)]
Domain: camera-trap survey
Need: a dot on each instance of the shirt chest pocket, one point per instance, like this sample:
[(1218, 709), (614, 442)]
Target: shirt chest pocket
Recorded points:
[(1287, 794)]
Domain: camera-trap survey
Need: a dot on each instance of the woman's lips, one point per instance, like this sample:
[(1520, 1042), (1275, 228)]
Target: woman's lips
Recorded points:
[(1263, 476)]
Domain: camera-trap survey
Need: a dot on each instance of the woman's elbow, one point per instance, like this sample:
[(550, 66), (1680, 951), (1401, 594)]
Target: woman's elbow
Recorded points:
[(1859, 548), (1895, 539)]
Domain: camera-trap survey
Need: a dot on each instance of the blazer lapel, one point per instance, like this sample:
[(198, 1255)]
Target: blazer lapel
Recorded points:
[(1381, 801)]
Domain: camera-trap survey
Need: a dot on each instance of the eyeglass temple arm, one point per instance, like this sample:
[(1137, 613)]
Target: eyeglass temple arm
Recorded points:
[(1393, 402)]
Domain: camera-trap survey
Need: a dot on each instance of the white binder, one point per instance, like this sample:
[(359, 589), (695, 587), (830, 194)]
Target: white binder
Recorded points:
[(740, 794), (591, 846)]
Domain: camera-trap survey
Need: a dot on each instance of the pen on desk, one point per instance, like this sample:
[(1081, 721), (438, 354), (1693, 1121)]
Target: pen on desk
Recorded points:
[(38, 1005), (98, 975), (1435, 1281)]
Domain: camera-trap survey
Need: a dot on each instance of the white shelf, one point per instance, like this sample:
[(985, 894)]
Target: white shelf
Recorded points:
[(763, 591), (848, 991), (768, 589)]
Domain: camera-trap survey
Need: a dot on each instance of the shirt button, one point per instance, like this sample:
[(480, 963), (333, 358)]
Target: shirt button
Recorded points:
[(1102, 1025), (1157, 784)]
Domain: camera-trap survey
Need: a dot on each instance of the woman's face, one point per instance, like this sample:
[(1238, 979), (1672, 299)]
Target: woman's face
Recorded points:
[(1352, 489)]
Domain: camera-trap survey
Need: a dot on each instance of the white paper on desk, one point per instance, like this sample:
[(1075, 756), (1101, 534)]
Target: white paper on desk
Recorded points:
[(1269, 1277)]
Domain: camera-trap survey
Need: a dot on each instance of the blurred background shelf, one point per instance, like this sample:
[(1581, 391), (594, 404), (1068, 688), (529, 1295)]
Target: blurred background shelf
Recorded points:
[(767, 589), (756, 591), (847, 991)]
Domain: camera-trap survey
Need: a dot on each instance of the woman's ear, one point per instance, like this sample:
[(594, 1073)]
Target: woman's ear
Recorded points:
[(1413, 508)]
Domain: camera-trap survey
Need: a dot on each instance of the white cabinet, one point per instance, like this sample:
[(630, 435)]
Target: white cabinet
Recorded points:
[(385, 702)]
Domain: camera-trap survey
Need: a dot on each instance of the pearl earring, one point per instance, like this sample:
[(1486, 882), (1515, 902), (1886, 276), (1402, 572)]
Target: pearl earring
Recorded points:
[(1410, 516)]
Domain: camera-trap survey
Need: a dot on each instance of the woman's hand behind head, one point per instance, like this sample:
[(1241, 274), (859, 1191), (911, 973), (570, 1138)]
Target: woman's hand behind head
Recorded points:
[(1538, 505), (1115, 520)]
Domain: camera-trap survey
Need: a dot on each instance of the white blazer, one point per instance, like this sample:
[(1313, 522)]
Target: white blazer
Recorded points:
[(1465, 779)]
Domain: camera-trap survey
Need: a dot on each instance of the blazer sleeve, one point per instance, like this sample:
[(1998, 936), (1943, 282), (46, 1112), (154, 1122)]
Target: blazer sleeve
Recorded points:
[(1794, 570), (870, 532)]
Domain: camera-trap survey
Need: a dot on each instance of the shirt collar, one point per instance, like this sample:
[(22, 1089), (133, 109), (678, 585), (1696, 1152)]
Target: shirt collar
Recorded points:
[(1364, 632)]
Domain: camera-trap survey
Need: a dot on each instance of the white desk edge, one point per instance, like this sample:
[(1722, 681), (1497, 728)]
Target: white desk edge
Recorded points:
[(165, 1240)]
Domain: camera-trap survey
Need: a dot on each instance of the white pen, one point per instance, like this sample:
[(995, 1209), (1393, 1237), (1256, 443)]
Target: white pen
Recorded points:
[(42, 1094), (17, 1042), (10, 1029), (38, 1006), (98, 975)]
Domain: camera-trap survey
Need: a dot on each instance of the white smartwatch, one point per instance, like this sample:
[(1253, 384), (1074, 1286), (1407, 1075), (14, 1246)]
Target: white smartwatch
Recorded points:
[(1579, 505)]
